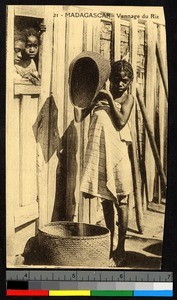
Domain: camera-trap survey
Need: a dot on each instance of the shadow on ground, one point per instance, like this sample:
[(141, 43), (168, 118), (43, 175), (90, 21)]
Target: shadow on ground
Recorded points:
[(135, 260), (155, 249)]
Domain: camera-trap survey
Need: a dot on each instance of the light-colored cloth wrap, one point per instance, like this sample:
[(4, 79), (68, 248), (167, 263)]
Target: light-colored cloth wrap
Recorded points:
[(107, 170)]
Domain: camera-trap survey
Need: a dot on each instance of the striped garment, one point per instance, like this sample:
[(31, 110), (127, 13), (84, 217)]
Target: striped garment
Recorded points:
[(107, 168)]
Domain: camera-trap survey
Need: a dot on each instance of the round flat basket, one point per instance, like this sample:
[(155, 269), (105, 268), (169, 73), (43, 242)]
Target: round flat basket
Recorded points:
[(88, 73), (75, 244)]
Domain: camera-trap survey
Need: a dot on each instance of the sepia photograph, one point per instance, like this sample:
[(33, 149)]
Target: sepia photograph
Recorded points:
[(86, 136)]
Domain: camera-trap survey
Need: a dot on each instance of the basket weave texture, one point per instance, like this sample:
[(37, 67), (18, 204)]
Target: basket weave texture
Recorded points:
[(88, 73), (75, 244)]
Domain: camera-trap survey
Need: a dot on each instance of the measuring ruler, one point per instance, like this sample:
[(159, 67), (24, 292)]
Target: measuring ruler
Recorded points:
[(100, 282)]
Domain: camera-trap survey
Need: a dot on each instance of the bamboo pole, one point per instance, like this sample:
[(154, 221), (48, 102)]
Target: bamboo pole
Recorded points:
[(152, 141), (163, 103), (150, 91), (162, 69)]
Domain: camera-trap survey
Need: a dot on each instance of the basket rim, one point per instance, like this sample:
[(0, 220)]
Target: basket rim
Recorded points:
[(74, 237), (95, 57)]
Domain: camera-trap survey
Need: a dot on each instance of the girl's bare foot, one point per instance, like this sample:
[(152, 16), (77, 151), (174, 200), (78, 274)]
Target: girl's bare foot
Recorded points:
[(118, 259)]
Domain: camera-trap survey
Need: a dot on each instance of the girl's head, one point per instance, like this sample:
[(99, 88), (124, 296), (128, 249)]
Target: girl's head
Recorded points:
[(32, 42), (19, 46), (120, 78)]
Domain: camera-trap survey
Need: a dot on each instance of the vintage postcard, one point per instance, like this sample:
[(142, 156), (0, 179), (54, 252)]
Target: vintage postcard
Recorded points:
[(86, 136)]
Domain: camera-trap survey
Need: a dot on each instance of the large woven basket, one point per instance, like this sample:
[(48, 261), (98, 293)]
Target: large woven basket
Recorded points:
[(75, 244), (88, 73)]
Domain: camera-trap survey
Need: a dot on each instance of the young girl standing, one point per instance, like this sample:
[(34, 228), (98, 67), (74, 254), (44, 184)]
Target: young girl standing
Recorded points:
[(107, 172)]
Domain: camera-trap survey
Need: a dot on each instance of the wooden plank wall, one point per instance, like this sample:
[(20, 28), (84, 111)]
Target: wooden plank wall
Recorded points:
[(88, 33)]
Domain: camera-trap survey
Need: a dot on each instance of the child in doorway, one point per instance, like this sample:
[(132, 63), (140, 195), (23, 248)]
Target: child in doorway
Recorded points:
[(107, 172), (26, 68), (19, 47)]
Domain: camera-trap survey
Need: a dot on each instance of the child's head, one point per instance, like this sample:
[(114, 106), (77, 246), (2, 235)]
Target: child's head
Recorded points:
[(32, 42), (19, 46), (120, 78)]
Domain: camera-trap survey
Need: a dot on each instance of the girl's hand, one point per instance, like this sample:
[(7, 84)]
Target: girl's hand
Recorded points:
[(33, 78), (107, 95)]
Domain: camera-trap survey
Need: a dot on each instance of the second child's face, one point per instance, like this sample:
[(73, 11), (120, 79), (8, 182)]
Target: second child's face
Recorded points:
[(19, 47), (32, 46), (119, 84)]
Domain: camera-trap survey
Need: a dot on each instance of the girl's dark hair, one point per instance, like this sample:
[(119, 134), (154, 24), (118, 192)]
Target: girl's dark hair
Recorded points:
[(121, 65), (19, 36), (31, 31)]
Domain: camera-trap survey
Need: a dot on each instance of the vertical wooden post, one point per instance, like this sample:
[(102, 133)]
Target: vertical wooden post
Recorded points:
[(135, 165), (163, 105), (57, 89), (96, 35), (42, 167), (59, 65), (116, 29), (84, 205), (161, 65), (12, 132), (150, 94), (74, 45)]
